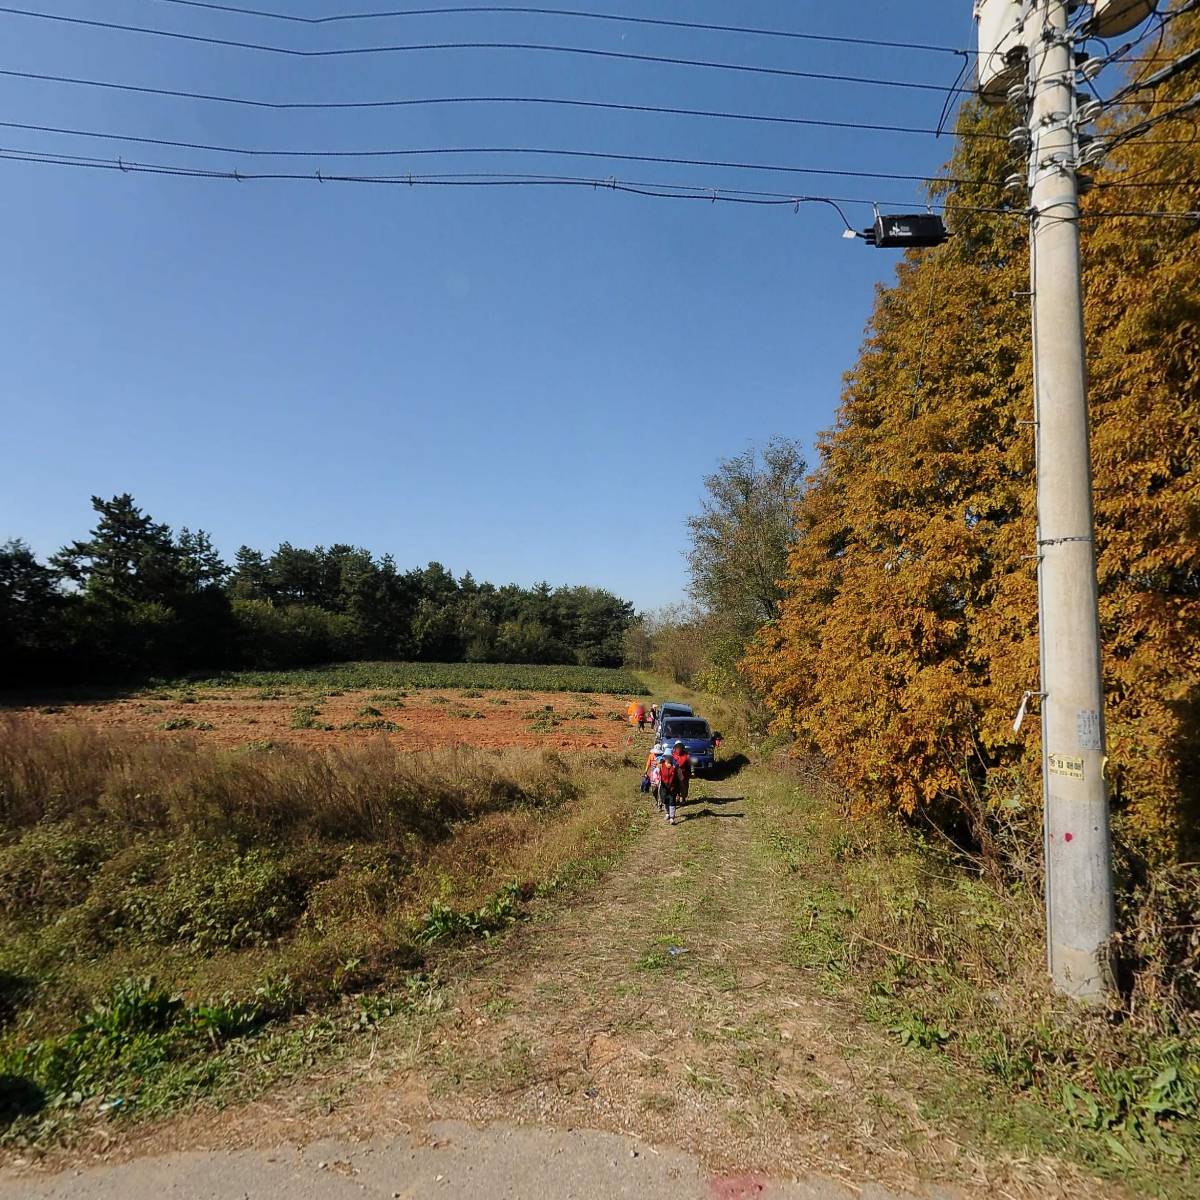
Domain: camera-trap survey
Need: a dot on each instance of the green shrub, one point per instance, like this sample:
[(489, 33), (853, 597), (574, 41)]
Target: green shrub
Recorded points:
[(376, 725), (201, 898), (443, 923), (305, 716), (49, 868)]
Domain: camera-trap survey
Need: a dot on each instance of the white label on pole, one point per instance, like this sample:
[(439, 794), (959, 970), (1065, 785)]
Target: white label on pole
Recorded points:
[(1065, 764), (1087, 728)]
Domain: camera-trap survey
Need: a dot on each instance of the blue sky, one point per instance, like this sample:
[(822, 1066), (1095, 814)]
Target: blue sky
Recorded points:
[(527, 383)]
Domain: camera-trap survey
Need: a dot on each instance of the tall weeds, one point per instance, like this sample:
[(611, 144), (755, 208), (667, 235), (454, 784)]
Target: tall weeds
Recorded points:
[(136, 785)]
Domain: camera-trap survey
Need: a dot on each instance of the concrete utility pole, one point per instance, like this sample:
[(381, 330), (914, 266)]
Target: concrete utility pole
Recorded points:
[(1079, 895)]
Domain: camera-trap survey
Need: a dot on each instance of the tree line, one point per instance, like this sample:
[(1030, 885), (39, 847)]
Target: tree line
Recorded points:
[(902, 633), (135, 599)]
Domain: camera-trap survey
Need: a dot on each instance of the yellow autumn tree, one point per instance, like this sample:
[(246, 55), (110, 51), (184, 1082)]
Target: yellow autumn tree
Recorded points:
[(908, 634)]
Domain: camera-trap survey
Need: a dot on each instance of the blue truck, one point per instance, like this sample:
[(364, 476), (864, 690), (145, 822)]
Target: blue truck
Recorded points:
[(695, 734), (669, 709)]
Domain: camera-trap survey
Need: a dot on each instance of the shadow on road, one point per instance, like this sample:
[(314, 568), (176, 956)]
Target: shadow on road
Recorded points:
[(708, 812), (727, 768)]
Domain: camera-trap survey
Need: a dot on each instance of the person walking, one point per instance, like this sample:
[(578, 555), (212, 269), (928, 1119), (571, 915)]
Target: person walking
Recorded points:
[(683, 770), (650, 774), (640, 715), (668, 786)]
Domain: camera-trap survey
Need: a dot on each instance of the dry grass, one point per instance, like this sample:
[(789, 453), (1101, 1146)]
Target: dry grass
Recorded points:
[(134, 785), (229, 876)]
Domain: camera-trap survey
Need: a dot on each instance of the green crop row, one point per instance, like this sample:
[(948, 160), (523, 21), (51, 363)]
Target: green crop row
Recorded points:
[(475, 676)]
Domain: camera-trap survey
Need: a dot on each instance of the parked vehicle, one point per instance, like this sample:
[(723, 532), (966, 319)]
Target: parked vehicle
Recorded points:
[(670, 708), (695, 734)]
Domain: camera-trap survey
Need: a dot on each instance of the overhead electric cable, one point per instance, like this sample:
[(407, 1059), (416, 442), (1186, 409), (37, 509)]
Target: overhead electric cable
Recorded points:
[(530, 10), (255, 152), (535, 47), (1181, 64), (324, 105), (472, 179), (1145, 126), (541, 151), (702, 192), (419, 101), (613, 106)]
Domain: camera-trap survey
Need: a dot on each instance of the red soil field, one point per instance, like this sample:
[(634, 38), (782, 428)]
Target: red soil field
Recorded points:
[(423, 720)]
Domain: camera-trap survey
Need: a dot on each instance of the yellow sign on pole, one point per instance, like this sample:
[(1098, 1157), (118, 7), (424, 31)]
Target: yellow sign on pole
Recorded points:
[(1064, 764)]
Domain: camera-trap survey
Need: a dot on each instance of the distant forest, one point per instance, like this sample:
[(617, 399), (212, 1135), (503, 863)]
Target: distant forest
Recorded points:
[(135, 599)]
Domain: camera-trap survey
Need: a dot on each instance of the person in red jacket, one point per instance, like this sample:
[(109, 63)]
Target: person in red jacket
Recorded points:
[(668, 786), (683, 769)]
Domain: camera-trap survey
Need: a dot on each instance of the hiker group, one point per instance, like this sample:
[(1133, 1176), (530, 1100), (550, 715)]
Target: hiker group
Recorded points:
[(639, 714), (667, 777)]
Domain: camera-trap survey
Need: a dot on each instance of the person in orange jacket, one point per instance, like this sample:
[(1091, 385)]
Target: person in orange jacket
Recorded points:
[(651, 759)]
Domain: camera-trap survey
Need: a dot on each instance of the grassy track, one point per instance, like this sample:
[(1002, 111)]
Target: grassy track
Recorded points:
[(723, 991)]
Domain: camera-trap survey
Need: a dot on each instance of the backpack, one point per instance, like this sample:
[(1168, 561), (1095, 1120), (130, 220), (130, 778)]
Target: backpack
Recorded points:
[(645, 783), (666, 774)]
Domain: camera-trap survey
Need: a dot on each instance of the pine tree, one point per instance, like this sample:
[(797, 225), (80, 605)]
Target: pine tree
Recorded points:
[(128, 559)]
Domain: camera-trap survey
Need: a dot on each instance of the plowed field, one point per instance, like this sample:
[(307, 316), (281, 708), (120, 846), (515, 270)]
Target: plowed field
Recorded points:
[(420, 720)]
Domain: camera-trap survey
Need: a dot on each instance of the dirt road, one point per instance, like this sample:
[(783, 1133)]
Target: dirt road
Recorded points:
[(662, 1010)]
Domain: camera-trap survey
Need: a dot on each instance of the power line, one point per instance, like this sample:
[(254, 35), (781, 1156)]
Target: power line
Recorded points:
[(488, 178), (1177, 67), (665, 191), (535, 47), (528, 10), (541, 151), (672, 191), (612, 106), (459, 150), (418, 101), (1141, 127)]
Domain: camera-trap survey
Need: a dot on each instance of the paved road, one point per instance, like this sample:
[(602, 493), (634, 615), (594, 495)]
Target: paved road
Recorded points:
[(456, 1162)]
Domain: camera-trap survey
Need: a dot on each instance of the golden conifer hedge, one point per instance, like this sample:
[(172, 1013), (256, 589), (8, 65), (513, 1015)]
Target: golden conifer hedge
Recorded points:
[(908, 634)]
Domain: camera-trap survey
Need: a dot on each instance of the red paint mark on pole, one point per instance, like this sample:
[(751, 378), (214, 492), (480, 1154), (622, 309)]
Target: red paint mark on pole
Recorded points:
[(1068, 837), (738, 1187)]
